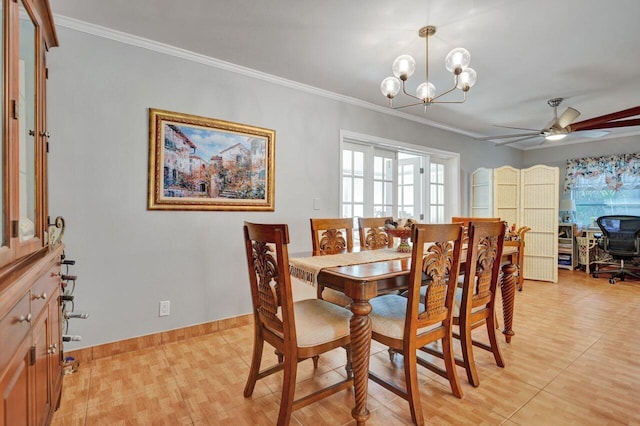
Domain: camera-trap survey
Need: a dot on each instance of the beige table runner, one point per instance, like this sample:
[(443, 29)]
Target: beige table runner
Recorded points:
[(307, 268)]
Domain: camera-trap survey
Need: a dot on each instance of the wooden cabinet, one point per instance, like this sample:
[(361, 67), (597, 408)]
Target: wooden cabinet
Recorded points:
[(567, 248), (523, 197), (27, 32), (30, 334)]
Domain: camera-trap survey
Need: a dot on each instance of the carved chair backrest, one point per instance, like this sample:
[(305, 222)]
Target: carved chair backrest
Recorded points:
[(268, 264), (372, 233), (482, 266), (466, 220), (436, 255), (331, 236)]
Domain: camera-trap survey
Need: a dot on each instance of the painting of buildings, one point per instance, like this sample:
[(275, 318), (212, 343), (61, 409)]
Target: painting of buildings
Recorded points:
[(205, 163)]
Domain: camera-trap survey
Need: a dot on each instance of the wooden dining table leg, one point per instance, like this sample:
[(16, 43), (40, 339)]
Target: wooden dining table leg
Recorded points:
[(360, 326), (508, 290)]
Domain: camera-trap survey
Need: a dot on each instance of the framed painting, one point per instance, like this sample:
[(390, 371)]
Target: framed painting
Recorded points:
[(199, 163)]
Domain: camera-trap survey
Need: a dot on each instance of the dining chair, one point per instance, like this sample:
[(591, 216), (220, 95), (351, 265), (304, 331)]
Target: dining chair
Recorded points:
[(332, 236), (465, 220), (372, 233), (475, 299), (297, 330), (405, 324)]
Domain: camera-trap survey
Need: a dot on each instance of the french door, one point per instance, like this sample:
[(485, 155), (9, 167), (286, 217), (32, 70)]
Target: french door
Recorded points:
[(378, 182)]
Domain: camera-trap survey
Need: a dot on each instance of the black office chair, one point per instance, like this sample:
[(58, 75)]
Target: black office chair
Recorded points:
[(621, 239)]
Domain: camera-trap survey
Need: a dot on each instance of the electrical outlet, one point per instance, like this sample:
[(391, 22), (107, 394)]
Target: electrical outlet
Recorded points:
[(165, 308)]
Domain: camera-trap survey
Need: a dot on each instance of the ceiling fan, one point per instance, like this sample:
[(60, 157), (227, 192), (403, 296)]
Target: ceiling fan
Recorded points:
[(563, 125)]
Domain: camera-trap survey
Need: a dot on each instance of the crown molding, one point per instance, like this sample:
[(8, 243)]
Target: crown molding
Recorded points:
[(111, 34)]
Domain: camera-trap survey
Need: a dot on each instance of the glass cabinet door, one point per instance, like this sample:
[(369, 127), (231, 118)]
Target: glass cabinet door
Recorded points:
[(3, 140), (27, 114)]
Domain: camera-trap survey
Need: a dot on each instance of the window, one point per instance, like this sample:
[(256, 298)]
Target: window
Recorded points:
[(387, 178), (603, 186), (593, 203)]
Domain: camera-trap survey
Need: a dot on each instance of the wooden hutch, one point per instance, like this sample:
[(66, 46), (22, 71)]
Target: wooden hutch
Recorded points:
[(30, 310)]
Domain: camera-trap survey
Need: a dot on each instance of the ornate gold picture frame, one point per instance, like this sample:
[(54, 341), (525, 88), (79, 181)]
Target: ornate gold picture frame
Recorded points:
[(199, 163)]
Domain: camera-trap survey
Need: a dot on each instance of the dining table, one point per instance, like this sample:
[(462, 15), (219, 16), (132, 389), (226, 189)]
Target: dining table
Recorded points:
[(366, 274)]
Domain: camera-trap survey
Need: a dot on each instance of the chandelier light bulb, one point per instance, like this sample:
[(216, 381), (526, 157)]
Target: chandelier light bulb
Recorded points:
[(403, 67), (467, 79), (390, 87), (457, 60), (426, 91)]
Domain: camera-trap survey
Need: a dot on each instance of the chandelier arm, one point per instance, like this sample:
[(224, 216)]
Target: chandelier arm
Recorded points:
[(455, 85), (410, 105), (404, 90)]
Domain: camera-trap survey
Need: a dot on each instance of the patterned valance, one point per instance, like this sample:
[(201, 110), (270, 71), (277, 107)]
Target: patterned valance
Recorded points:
[(612, 172)]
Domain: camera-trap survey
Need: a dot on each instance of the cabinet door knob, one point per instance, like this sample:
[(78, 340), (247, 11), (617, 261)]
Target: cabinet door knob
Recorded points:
[(25, 318), (42, 296)]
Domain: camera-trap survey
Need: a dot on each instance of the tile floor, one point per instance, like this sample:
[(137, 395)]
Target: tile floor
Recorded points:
[(573, 361)]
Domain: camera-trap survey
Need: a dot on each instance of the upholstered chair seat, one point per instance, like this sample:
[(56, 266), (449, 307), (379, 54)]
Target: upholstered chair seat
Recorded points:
[(319, 322), (388, 314)]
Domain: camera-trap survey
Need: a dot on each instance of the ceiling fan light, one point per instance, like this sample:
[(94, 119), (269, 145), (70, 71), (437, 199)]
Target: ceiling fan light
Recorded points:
[(467, 79), (426, 91), (403, 67), (457, 60), (555, 136), (390, 87)]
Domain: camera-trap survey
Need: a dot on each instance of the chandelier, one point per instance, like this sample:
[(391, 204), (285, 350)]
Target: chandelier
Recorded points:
[(457, 62)]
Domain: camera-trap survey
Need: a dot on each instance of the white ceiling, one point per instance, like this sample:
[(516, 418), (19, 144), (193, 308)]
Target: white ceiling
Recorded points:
[(525, 52)]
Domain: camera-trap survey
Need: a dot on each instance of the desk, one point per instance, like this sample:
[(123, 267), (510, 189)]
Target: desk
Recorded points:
[(362, 282), (587, 249)]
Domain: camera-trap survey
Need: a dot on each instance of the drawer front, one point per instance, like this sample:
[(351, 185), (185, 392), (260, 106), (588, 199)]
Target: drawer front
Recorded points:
[(43, 288), (13, 328)]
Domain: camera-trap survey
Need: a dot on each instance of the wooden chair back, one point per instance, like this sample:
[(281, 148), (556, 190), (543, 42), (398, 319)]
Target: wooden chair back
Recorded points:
[(482, 266), (466, 220), (436, 256), (478, 293), (331, 236), (268, 263), (372, 233)]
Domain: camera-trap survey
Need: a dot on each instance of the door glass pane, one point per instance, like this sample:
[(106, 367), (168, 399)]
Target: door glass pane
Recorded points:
[(358, 190), (358, 163), (378, 168), (27, 126), (347, 161), (377, 193), (347, 190)]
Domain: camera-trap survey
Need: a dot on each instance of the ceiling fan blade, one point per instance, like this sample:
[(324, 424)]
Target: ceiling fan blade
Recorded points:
[(566, 118), (518, 140), (607, 121), (591, 134), (516, 128), (608, 125), (490, 138)]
